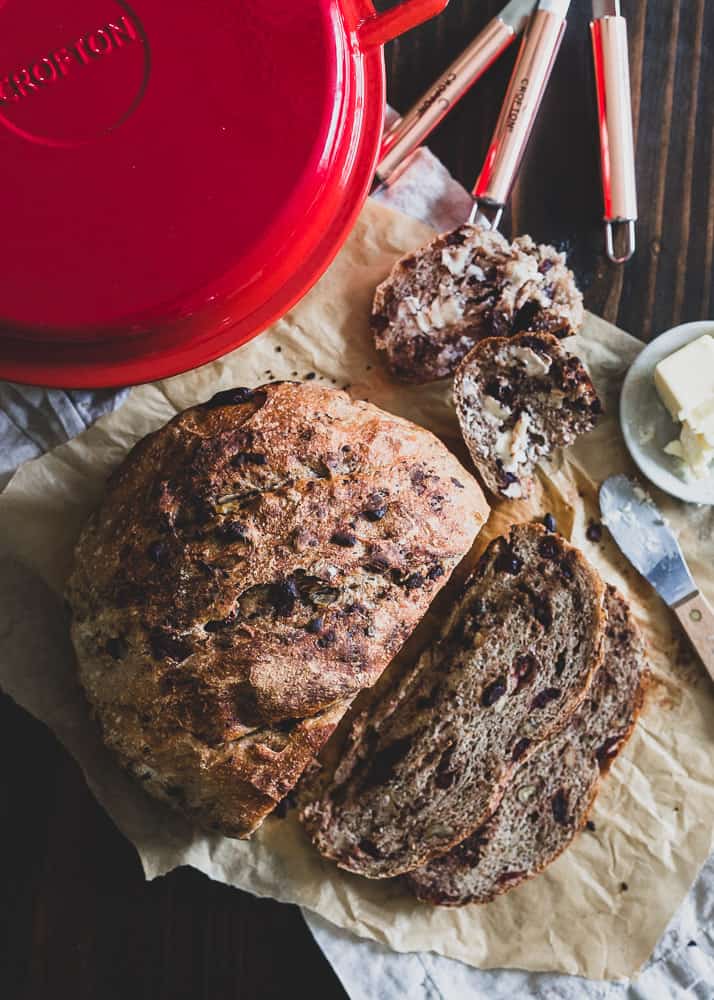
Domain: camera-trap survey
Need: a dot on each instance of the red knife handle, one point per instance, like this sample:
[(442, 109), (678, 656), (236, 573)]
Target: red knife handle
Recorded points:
[(409, 132), (614, 107), (525, 92)]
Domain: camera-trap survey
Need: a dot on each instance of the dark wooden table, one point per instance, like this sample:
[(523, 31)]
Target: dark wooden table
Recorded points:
[(76, 918)]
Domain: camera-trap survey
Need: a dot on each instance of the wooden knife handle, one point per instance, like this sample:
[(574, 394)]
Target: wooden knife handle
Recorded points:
[(697, 618)]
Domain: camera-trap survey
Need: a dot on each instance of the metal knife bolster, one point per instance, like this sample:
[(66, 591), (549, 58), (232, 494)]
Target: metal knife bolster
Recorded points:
[(525, 92), (606, 8), (643, 535), (672, 581), (409, 132)]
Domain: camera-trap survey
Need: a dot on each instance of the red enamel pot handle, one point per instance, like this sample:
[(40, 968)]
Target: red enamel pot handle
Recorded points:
[(382, 28)]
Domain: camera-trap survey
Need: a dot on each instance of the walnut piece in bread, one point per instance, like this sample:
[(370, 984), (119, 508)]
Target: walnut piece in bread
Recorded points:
[(517, 399), (253, 565), (428, 765), (548, 800), (466, 285)]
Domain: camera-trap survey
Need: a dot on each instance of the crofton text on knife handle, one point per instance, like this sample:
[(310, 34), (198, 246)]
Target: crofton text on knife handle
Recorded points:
[(697, 618), (525, 92), (410, 131)]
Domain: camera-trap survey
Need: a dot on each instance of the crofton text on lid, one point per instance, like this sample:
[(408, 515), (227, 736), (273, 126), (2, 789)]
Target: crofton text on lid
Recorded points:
[(174, 176)]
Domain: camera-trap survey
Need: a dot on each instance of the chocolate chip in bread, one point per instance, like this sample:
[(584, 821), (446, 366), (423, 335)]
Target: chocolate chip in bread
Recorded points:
[(464, 286), (549, 797), (517, 399), (430, 763), (252, 566)]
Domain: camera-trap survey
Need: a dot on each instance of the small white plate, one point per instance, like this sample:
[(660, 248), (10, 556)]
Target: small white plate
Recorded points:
[(647, 426)]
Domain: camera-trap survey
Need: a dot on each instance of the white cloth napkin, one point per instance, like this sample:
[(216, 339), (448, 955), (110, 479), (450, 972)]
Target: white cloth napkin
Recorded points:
[(32, 420)]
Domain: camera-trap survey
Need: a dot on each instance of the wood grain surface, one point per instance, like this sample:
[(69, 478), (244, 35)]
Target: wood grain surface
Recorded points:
[(76, 918), (557, 197)]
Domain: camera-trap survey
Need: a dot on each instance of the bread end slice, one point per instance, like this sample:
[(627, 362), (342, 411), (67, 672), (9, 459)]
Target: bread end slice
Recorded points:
[(517, 399)]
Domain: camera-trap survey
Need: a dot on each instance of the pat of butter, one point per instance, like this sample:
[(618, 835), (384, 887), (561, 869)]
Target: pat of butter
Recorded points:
[(685, 380), (494, 412), (533, 362), (685, 383), (694, 450)]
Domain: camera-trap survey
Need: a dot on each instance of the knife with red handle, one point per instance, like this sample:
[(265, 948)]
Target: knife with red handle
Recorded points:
[(617, 152), (529, 79), (410, 131)]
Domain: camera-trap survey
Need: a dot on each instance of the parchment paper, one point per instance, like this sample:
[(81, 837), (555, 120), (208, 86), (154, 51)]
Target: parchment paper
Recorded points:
[(599, 910)]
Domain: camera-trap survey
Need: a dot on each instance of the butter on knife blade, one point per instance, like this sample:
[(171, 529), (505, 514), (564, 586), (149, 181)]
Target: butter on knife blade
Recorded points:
[(648, 542), (646, 539)]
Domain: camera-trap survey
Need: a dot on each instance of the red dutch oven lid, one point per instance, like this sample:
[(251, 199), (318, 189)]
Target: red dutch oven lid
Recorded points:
[(173, 177)]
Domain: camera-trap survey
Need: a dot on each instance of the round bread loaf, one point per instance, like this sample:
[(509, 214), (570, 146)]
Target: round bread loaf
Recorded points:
[(517, 399), (254, 564)]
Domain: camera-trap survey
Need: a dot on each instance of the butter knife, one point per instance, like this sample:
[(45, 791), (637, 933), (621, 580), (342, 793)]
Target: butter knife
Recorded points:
[(646, 539)]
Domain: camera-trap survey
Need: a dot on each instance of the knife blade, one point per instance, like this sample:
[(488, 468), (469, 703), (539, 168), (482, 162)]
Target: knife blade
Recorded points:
[(646, 539), (559, 7)]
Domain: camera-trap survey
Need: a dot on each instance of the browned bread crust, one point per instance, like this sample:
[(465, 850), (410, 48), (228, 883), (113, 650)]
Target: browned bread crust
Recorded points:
[(429, 764), (549, 798), (466, 285), (253, 565)]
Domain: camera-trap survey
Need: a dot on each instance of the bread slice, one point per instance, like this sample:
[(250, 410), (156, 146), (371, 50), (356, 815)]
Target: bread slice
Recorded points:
[(548, 800), (517, 399), (464, 286), (429, 765)]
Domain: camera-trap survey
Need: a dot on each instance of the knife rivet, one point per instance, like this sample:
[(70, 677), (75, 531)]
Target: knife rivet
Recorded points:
[(695, 614)]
